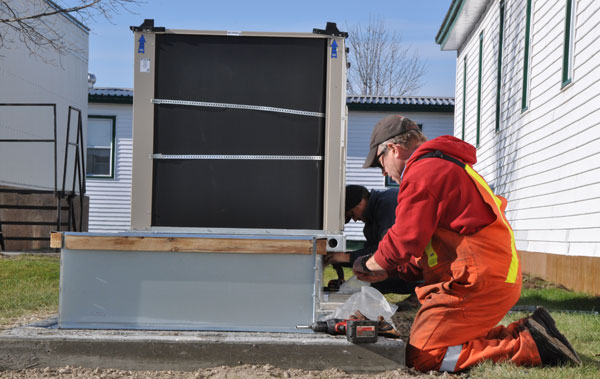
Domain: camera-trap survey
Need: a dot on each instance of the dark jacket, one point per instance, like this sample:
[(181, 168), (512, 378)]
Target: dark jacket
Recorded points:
[(379, 216)]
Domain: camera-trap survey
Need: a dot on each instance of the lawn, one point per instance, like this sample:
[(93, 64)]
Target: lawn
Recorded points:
[(29, 284)]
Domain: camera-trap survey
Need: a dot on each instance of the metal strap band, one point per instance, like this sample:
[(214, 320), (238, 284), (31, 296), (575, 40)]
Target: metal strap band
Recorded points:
[(241, 157), (451, 358), (236, 106)]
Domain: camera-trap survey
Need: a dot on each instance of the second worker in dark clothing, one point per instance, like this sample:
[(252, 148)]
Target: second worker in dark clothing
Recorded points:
[(377, 210)]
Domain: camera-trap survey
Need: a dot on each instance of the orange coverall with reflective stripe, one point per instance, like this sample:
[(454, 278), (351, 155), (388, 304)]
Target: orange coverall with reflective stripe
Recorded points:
[(470, 283)]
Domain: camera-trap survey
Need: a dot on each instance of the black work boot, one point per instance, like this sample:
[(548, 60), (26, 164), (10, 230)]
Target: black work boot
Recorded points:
[(554, 348)]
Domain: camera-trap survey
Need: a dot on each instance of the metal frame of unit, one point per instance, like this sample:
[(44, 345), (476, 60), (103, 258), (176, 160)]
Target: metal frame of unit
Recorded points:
[(335, 139)]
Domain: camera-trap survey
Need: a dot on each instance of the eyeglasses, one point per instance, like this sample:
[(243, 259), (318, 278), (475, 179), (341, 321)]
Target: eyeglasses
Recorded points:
[(381, 155)]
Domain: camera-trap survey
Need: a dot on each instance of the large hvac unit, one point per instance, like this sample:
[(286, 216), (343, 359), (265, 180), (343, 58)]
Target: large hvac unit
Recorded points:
[(237, 187)]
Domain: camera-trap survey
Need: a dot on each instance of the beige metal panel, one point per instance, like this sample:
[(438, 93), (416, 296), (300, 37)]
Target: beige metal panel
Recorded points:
[(143, 132), (234, 33), (335, 138)]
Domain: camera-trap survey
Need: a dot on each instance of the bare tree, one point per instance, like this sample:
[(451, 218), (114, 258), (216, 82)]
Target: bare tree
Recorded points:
[(380, 64), (31, 21)]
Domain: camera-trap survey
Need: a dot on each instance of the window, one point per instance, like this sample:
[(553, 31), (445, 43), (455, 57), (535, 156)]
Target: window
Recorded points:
[(464, 99), (499, 73), (567, 71), (389, 182), (525, 95), (479, 89), (100, 146)]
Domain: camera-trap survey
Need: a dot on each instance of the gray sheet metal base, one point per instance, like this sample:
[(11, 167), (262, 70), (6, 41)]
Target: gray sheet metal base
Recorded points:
[(186, 291), (188, 351)]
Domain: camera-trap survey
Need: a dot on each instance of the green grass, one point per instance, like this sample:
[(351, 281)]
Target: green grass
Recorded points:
[(582, 330), (329, 273), (28, 284)]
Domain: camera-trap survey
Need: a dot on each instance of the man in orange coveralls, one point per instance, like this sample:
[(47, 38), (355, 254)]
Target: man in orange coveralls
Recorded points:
[(451, 229)]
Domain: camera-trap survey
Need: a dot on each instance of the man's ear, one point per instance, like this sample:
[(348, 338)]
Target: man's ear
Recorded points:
[(398, 151), (394, 149)]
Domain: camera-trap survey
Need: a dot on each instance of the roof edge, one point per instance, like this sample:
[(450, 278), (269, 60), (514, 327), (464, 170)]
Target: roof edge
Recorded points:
[(68, 16), (448, 23), (401, 107)]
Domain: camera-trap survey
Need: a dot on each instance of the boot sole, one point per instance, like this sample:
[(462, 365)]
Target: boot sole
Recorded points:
[(545, 320)]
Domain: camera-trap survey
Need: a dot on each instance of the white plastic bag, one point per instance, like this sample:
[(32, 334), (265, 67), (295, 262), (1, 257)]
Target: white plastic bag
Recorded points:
[(369, 302), (351, 286)]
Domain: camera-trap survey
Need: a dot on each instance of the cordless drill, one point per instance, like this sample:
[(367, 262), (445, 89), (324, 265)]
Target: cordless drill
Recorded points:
[(356, 331)]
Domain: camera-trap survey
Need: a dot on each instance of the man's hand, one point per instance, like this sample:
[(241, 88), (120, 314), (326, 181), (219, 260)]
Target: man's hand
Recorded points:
[(366, 269), (331, 258)]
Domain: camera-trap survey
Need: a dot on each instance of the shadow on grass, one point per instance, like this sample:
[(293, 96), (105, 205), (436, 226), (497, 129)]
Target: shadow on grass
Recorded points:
[(557, 299)]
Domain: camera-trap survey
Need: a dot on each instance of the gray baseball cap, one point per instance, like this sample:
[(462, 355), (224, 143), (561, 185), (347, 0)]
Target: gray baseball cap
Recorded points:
[(386, 128)]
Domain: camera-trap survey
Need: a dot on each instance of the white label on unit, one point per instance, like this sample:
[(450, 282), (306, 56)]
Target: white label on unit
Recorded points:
[(145, 65)]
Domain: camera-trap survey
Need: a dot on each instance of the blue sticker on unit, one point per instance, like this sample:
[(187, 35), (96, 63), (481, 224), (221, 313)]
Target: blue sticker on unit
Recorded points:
[(334, 49), (142, 41)]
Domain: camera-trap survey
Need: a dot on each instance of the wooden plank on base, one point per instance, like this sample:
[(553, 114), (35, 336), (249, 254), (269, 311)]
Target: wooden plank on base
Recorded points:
[(191, 244)]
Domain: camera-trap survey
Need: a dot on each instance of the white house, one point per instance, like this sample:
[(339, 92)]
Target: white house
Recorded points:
[(41, 90), (109, 125), (527, 96)]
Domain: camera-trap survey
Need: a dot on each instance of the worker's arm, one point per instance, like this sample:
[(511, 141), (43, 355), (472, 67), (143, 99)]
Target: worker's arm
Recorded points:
[(350, 256), (336, 257), (417, 216)]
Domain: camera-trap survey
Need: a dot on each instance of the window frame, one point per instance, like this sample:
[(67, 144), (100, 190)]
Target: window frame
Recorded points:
[(464, 99), (112, 148), (499, 73), (526, 58), (568, 46), (479, 75)]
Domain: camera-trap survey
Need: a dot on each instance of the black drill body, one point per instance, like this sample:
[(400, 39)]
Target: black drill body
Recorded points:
[(356, 331)]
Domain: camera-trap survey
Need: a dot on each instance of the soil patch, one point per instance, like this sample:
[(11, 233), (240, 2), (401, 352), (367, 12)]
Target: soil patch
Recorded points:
[(531, 282), (245, 371)]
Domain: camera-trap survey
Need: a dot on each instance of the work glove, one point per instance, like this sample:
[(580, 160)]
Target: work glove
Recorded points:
[(363, 273)]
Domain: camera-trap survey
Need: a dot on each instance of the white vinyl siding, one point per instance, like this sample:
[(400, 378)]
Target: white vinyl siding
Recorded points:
[(110, 198), (545, 161)]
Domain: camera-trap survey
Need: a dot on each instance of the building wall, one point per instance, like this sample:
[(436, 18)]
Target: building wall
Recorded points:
[(360, 127), (43, 76), (110, 199), (544, 159)]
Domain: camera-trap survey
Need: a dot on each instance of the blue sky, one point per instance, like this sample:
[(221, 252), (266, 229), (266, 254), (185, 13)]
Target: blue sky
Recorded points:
[(416, 21)]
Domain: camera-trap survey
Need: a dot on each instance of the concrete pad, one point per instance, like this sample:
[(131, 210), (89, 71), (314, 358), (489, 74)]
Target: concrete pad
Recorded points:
[(43, 345)]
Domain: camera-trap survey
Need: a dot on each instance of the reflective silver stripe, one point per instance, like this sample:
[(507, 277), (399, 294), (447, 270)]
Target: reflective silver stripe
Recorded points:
[(240, 157), (237, 106), (450, 359)]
